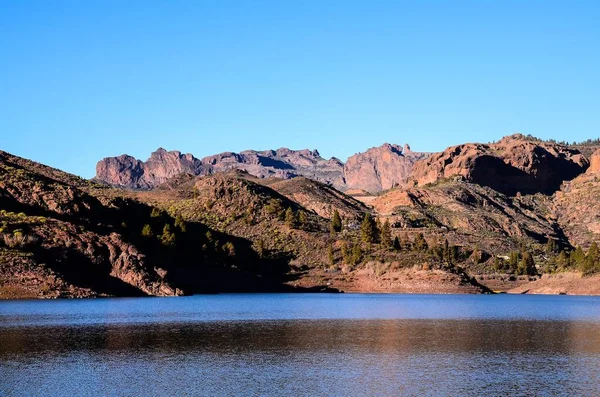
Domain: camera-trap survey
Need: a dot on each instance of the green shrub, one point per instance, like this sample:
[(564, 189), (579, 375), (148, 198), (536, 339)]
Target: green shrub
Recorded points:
[(147, 231), (19, 240)]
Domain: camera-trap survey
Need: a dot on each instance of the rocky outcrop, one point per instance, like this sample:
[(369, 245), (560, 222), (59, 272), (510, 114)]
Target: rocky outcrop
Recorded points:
[(510, 166), (126, 171), (281, 163), (576, 205), (594, 162), (380, 168)]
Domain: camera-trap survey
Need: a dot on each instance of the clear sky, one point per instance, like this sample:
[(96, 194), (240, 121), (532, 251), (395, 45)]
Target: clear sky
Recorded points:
[(83, 80)]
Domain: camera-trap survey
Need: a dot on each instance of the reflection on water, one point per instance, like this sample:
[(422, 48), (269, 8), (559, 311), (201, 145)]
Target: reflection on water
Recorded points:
[(270, 351)]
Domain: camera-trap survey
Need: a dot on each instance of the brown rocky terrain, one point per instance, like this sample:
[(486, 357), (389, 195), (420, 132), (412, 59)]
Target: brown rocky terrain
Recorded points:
[(568, 283), (474, 215), (320, 198), (375, 170), (512, 165), (62, 236), (380, 168), (577, 205), (469, 214), (374, 279), (126, 171)]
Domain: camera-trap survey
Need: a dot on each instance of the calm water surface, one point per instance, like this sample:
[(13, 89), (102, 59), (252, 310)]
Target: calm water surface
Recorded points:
[(299, 344)]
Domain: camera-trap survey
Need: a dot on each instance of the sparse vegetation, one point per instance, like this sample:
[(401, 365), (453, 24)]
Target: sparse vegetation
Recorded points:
[(19, 240), (336, 223), (291, 220), (368, 230), (147, 231)]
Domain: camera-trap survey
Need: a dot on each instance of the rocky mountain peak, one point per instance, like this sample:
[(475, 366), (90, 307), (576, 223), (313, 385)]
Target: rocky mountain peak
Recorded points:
[(513, 164), (380, 168)]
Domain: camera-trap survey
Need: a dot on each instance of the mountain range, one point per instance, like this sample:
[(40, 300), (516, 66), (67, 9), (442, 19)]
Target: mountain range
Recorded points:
[(520, 214), (375, 170)]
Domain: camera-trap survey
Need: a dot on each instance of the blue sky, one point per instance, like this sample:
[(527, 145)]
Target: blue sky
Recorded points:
[(82, 80)]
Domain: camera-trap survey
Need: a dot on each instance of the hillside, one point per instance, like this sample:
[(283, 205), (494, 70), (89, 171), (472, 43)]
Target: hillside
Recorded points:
[(577, 205), (320, 198), (471, 215), (500, 214), (62, 236)]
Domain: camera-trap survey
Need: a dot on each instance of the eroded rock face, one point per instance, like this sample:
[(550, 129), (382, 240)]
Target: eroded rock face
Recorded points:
[(380, 168), (510, 166), (594, 162), (126, 171)]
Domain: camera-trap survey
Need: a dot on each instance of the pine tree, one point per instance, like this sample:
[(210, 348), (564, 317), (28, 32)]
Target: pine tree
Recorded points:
[(591, 265), (229, 249), (405, 243), (513, 261), (167, 237), (356, 254), (330, 255), (420, 244), (156, 213), (396, 244), (302, 220), (594, 252), (180, 223), (260, 248), (497, 264), (346, 252), (562, 260), (368, 229), (447, 253), (527, 265), (386, 234), (577, 257), (336, 222), (551, 247), (290, 218), (147, 231), (476, 255)]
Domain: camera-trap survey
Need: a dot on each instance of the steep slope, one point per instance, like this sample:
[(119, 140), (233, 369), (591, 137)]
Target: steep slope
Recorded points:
[(512, 165), (236, 203), (320, 198), (380, 168), (471, 215), (577, 205), (63, 240), (67, 236), (257, 210), (126, 171)]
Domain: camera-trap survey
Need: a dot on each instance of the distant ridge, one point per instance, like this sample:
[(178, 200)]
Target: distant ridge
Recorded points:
[(374, 170)]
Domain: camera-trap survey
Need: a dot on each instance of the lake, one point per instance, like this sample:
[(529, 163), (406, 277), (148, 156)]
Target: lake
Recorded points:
[(302, 344)]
